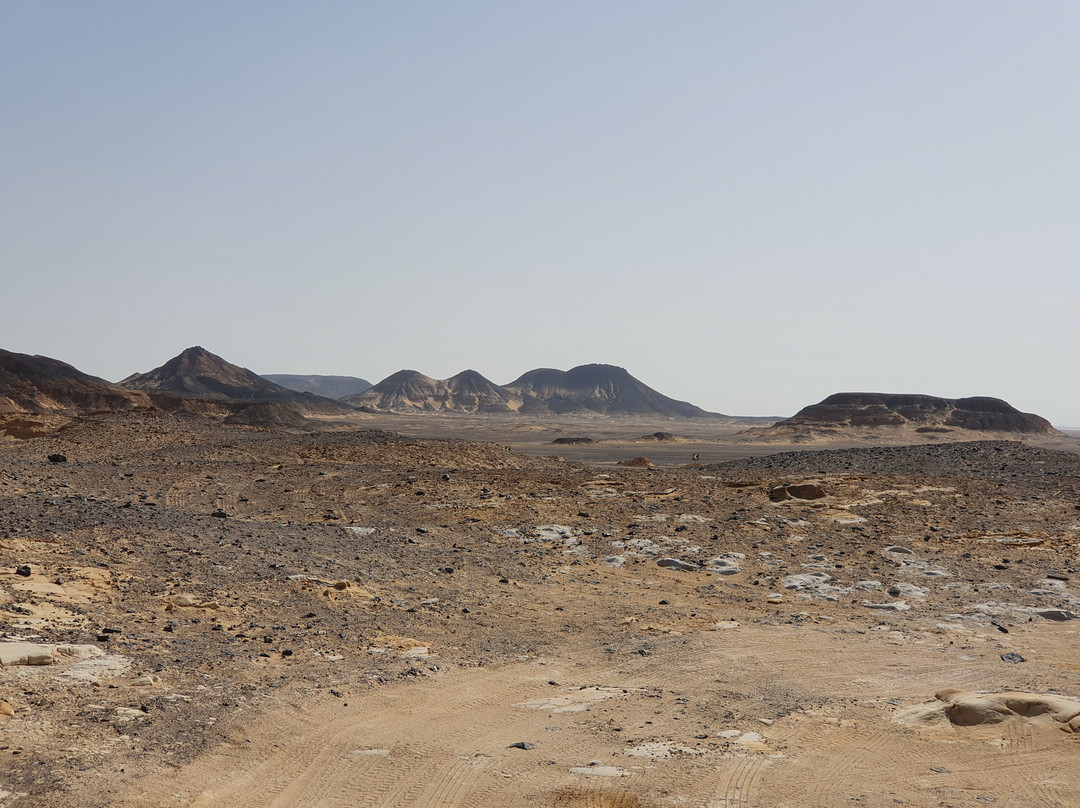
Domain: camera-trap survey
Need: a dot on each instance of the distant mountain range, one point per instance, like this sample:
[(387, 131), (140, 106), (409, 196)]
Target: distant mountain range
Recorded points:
[(326, 386), (878, 414), (197, 381), (584, 390)]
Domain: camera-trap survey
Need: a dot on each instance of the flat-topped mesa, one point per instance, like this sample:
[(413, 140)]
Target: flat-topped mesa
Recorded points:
[(197, 373), (38, 384), (864, 414)]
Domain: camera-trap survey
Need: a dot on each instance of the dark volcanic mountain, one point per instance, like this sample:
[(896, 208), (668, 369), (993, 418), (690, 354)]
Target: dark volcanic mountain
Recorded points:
[(603, 389), (411, 391), (326, 386), (863, 414), (588, 389), (38, 384), (198, 373)]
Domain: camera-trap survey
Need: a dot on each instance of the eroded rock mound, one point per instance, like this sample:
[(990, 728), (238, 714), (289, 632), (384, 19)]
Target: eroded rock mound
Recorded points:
[(962, 708), (269, 414)]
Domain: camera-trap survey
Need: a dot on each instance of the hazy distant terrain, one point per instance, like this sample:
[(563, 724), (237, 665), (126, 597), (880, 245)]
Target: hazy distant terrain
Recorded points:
[(328, 386)]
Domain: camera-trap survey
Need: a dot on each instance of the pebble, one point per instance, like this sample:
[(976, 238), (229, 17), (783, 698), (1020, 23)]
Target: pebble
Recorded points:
[(1012, 658)]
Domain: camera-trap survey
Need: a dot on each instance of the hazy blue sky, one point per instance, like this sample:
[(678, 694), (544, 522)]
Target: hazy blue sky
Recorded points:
[(748, 205)]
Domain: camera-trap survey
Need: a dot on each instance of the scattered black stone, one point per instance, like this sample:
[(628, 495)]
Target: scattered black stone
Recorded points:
[(24, 571), (1012, 658), (521, 745), (57, 458), (219, 514)]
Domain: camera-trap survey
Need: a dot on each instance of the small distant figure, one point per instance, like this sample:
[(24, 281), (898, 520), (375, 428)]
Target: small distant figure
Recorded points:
[(695, 457)]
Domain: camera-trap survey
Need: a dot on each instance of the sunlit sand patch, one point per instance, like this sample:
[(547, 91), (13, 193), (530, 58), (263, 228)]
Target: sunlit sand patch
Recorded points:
[(573, 702)]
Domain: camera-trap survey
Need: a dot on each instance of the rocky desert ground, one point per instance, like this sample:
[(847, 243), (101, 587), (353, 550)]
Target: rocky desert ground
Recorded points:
[(201, 614)]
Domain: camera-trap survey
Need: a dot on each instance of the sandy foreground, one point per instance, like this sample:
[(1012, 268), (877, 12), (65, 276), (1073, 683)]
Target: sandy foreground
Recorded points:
[(236, 617)]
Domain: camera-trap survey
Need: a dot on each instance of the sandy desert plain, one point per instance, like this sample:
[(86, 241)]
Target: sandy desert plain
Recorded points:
[(375, 614)]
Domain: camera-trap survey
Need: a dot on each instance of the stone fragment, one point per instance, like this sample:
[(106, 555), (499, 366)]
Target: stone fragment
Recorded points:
[(898, 606), (676, 564), (1057, 614)]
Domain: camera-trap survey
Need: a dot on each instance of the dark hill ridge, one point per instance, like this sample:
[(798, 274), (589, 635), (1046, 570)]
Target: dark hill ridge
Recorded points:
[(412, 391), (200, 374), (850, 413), (38, 384), (586, 389), (326, 386), (604, 389)]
